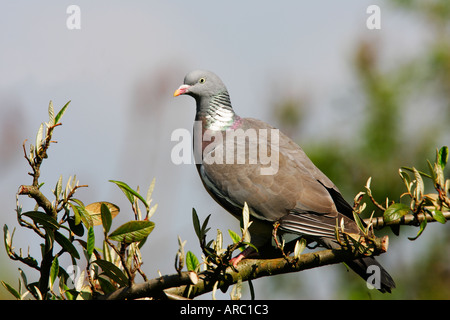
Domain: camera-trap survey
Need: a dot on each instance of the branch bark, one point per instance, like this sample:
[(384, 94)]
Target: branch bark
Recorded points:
[(151, 288), (408, 219), (40, 199), (248, 269)]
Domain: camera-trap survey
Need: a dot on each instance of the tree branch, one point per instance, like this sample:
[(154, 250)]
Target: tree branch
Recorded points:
[(40, 199), (248, 269), (408, 219), (47, 253), (150, 288)]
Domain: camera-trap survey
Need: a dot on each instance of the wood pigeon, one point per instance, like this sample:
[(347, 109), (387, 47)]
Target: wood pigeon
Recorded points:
[(291, 190)]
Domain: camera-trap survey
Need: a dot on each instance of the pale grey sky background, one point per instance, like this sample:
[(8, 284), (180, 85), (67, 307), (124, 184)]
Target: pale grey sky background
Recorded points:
[(120, 70)]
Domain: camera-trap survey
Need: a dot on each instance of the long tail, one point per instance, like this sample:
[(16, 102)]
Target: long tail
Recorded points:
[(321, 229), (367, 268), (370, 270)]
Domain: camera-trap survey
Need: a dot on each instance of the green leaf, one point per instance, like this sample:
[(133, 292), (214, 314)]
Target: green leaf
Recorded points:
[(420, 172), (443, 157), (200, 231), (438, 216), (205, 228), (43, 219), (81, 213), (66, 244), (132, 231), (112, 271), (129, 193), (90, 242), (358, 221), (423, 224), (141, 243), (76, 216), (191, 261), (106, 285), (250, 245), (61, 112), (234, 236), (106, 217), (196, 223), (395, 211), (71, 294), (54, 271), (77, 229), (11, 290)]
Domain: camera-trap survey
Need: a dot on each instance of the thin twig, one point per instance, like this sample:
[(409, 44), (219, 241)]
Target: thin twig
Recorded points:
[(122, 259), (69, 196)]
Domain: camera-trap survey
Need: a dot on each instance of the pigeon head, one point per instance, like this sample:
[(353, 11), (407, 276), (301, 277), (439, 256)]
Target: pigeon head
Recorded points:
[(201, 85), (212, 98)]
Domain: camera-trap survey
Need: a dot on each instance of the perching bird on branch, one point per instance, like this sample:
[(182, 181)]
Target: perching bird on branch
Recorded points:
[(246, 160)]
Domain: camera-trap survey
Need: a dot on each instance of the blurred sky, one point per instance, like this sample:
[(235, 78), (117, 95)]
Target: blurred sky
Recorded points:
[(120, 70)]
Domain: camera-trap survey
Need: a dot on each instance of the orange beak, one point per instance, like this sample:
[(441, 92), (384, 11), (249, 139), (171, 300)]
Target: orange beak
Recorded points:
[(181, 90)]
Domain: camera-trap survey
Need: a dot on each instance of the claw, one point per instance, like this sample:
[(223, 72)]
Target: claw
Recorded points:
[(244, 254)]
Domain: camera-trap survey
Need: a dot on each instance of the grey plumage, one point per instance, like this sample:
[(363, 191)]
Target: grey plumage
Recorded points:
[(298, 195)]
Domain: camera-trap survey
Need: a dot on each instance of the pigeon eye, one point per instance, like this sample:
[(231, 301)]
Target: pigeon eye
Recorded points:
[(202, 80)]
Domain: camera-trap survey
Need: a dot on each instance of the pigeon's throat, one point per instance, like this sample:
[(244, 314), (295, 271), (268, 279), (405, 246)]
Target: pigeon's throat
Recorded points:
[(217, 113)]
